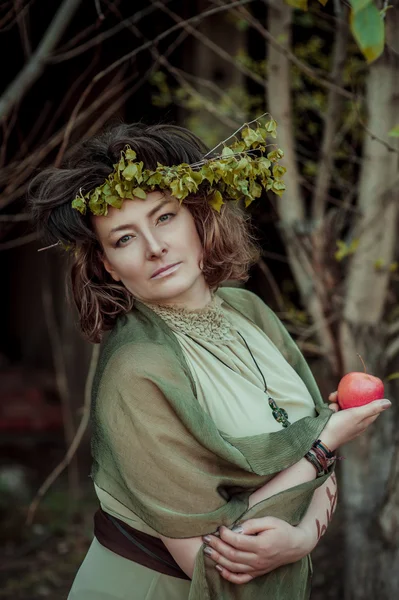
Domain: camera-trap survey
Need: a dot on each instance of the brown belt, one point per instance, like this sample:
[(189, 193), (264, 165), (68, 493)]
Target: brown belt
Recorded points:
[(134, 545)]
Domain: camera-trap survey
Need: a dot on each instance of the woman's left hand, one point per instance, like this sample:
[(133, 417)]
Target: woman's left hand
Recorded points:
[(244, 556)]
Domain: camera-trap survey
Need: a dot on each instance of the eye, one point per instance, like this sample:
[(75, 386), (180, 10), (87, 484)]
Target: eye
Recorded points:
[(123, 240), (164, 218)]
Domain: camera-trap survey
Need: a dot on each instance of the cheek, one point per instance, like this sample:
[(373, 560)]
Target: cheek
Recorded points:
[(125, 265), (192, 239)]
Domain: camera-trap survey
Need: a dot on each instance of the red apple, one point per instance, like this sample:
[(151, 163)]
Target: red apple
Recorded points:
[(357, 389)]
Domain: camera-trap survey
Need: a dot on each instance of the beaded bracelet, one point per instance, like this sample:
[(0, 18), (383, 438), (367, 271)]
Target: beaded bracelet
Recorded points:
[(321, 457)]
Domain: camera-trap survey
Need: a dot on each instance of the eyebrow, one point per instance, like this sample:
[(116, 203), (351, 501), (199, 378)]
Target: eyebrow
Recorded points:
[(150, 214)]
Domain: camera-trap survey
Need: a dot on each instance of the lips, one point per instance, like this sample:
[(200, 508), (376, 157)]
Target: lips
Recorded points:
[(163, 269)]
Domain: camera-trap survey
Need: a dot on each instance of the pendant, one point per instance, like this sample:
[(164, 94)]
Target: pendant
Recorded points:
[(279, 414)]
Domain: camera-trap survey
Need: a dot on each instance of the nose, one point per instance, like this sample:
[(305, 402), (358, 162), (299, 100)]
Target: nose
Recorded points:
[(155, 247)]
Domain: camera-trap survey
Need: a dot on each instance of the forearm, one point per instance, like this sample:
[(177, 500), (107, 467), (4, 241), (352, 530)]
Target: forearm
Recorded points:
[(184, 551), (315, 522), (300, 472), (320, 511)]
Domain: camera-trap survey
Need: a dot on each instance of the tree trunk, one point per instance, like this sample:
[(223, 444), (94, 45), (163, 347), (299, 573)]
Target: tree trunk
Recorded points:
[(370, 469), (216, 76), (291, 206)]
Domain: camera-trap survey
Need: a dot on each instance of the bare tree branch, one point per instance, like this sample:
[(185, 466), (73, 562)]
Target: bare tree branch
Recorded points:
[(23, 28), (75, 442), (61, 381), (15, 218), (181, 76), (34, 68), (303, 67), (21, 241), (334, 104), (210, 44), (19, 172), (130, 55), (101, 37), (10, 18)]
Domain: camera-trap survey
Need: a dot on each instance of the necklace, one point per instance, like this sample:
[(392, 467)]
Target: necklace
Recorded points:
[(279, 414)]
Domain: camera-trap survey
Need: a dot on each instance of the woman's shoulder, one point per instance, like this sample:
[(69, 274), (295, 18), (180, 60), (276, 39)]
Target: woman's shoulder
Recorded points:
[(245, 302), (238, 294), (254, 308), (140, 346)]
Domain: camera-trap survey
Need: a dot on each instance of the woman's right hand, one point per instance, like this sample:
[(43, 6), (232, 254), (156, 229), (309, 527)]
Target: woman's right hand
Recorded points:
[(346, 425)]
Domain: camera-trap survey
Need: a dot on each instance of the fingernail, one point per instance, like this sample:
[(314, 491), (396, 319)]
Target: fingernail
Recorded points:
[(208, 551), (237, 529), (207, 539), (386, 403), (219, 568)]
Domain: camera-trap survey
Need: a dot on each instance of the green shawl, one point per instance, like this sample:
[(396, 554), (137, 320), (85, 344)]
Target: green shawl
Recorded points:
[(160, 454)]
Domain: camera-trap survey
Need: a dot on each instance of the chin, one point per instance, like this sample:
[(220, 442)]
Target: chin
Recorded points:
[(172, 290)]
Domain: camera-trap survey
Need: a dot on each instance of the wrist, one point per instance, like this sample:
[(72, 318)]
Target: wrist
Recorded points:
[(307, 539), (327, 438)]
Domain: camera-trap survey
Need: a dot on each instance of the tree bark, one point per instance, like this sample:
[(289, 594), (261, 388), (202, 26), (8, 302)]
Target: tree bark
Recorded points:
[(291, 206), (370, 469)]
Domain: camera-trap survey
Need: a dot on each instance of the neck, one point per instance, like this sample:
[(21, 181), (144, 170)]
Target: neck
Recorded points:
[(198, 296)]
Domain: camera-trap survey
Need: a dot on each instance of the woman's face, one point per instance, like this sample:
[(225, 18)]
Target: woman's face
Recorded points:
[(144, 238)]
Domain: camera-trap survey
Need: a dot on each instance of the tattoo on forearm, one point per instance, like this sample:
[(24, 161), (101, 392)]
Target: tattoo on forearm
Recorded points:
[(332, 498)]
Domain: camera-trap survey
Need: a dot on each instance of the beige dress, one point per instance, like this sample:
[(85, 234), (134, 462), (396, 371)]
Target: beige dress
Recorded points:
[(231, 389)]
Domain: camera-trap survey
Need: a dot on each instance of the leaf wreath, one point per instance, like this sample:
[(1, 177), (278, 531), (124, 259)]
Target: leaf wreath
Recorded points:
[(241, 172)]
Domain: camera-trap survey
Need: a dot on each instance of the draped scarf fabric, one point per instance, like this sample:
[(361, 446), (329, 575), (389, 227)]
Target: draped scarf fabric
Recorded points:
[(160, 454)]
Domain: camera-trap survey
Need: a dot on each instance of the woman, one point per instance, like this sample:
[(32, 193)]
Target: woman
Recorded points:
[(205, 415)]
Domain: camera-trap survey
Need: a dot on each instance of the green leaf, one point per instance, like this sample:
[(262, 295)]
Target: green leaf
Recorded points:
[(79, 204), (154, 179), (359, 4), (367, 27), (139, 193), (345, 250), (379, 264), (392, 376), (394, 132), (115, 201), (130, 154), (130, 172), (227, 151), (216, 200)]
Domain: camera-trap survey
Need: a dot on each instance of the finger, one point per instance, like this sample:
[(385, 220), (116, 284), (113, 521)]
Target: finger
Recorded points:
[(368, 421), (333, 397), (229, 552), (334, 407), (235, 577), (233, 567), (374, 409), (239, 541), (370, 409), (250, 527)]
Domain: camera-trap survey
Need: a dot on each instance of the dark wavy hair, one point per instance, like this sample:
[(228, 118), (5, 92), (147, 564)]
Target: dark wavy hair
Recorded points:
[(229, 247)]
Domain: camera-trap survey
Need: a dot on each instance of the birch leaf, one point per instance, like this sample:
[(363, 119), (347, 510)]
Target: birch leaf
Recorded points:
[(216, 201), (139, 193), (367, 27), (395, 131)]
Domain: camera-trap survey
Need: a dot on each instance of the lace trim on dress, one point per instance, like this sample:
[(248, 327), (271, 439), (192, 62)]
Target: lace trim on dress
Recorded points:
[(209, 323)]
